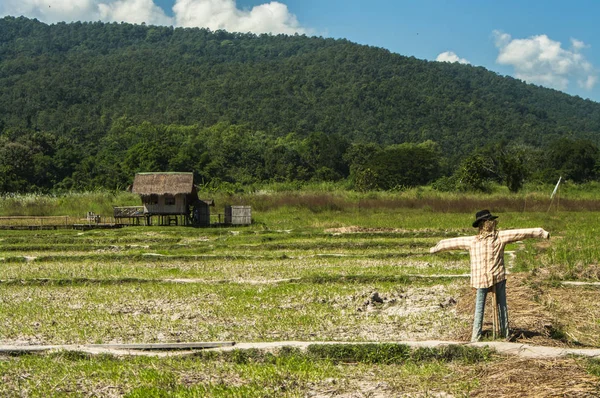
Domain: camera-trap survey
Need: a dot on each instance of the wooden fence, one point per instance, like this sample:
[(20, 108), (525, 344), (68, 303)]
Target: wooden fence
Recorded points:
[(124, 216), (56, 222)]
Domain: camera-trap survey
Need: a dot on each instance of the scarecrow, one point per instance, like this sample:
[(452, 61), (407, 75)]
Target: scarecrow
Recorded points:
[(486, 250)]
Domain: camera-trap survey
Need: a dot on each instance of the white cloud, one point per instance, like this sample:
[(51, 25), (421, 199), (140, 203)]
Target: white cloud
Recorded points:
[(451, 57), (133, 11), (588, 83), (272, 17), (540, 60), (578, 44), (50, 10)]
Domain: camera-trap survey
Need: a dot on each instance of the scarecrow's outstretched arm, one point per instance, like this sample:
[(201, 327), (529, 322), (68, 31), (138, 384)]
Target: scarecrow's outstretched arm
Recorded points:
[(513, 235), (452, 244)]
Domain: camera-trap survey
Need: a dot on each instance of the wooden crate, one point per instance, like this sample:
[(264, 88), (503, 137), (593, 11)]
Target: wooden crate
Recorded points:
[(238, 215)]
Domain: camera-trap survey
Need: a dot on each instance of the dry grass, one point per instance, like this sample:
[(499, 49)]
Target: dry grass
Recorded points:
[(530, 320), (540, 314), (578, 311), (581, 272), (536, 379), (502, 378), (432, 201)]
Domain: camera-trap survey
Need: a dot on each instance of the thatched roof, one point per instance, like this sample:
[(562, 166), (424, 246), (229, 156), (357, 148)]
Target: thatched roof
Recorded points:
[(163, 183)]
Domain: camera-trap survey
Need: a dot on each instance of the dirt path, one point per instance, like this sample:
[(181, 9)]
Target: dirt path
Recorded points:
[(506, 348)]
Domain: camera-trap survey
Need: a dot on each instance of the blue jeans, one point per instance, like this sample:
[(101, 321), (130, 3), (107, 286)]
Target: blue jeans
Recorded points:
[(480, 306)]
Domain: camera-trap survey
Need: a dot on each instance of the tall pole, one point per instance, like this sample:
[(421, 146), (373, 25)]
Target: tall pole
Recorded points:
[(556, 190)]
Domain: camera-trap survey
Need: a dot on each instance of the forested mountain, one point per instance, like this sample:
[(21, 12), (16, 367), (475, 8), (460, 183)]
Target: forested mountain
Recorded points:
[(88, 104)]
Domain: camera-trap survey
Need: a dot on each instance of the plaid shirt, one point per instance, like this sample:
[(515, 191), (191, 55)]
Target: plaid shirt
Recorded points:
[(487, 252)]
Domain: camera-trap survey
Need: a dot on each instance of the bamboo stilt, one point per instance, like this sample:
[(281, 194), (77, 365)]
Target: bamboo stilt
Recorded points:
[(495, 322)]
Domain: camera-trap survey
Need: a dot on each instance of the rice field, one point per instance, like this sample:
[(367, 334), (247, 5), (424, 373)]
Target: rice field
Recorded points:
[(338, 275)]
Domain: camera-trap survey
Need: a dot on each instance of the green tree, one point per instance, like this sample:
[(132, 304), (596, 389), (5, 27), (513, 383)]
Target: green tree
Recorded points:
[(325, 155), (575, 160), (513, 167), (357, 158), (284, 162), (405, 165), (16, 166), (475, 173)]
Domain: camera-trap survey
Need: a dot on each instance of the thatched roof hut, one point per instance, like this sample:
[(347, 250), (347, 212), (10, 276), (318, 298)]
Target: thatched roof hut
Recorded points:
[(170, 196)]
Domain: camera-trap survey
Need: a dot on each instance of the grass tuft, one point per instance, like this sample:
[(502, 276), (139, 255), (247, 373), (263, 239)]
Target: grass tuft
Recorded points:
[(464, 354), (593, 367), (388, 353), (384, 353)]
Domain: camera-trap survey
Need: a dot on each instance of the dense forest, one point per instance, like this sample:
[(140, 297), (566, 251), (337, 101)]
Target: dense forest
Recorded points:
[(87, 105)]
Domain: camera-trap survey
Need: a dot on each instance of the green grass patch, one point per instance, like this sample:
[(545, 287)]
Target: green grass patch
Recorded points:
[(389, 353), (167, 312), (240, 373), (593, 367)]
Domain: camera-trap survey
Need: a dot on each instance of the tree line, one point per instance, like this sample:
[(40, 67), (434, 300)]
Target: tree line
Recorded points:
[(236, 155)]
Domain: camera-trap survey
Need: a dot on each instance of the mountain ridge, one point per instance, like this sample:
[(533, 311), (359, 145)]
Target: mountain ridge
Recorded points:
[(276, 83), (81, 82)]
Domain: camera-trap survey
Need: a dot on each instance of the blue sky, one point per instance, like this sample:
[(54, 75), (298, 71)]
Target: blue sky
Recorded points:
[(551, 43)]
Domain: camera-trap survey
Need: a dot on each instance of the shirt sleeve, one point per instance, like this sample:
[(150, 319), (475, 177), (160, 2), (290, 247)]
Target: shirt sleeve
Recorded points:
[(452, 244), (513, 235)]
